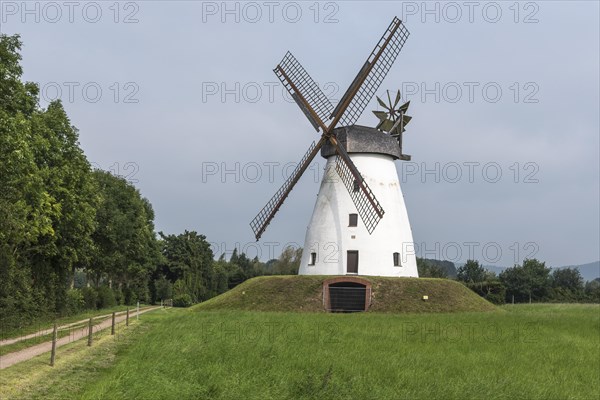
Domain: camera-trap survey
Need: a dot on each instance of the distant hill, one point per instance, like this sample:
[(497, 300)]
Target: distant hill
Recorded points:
[(589, 271)]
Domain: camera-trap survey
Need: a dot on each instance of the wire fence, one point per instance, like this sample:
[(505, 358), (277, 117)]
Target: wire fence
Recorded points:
[(49, 339)]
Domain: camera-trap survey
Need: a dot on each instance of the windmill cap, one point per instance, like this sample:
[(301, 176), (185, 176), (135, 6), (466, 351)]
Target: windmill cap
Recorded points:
[(363, 139)]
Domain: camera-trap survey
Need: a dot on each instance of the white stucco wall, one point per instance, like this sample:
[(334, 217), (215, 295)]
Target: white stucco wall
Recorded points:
[(329, 235)]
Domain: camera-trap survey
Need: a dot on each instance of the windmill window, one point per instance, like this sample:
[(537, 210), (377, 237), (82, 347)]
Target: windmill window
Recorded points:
[(313, 259), (397, 260), (353, 220)]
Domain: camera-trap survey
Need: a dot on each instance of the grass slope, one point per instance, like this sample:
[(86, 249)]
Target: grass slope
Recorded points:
[(391, 295), (526, 352)]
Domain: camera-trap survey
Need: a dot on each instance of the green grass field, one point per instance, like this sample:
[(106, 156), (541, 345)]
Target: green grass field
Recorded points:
[(518, 352)]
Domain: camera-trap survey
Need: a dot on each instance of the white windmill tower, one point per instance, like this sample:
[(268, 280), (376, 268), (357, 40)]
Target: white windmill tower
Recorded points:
[(338, 242)]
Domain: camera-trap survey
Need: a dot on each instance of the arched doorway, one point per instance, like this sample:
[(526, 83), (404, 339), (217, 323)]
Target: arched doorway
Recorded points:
[(346, 294)]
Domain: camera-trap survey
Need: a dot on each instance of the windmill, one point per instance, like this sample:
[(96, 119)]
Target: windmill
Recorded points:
[(345, 193)]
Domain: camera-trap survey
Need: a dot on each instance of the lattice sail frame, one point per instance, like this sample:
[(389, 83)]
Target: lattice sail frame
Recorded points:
[(378, 65), (291, 69), (264, 217)]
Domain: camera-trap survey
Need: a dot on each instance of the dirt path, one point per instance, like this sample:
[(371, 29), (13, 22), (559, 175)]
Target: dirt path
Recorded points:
[(13, 358), (48, 331)]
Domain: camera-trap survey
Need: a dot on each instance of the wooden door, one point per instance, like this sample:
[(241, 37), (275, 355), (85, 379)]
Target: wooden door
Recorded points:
[(352, 262)]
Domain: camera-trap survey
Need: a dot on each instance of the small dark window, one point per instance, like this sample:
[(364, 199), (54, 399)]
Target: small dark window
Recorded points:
[(356, 186), (397, 260), (353, 220), (313, 259)]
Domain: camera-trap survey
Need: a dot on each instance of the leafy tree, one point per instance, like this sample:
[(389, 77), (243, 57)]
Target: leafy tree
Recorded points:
[(567, 284), (66, 175), (471, 272), (189, 259), (427, 269), (528, 282), (126, 249), (592, 290), (568, 278), (164, 288), (288, 262), (35, 256), (493, 291)]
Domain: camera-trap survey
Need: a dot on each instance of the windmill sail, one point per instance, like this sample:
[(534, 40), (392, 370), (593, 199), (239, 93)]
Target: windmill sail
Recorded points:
[(301, 86), (264, 217), (371, 75)]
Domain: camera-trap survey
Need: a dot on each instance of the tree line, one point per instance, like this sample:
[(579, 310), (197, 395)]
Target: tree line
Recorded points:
[(529, 282), (74, 238)]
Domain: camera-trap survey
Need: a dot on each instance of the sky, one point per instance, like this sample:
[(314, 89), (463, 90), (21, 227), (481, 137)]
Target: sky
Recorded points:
[(179, 97)]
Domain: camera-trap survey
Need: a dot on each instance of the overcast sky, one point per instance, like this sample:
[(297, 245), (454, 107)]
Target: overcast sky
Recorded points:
[(181, 99)]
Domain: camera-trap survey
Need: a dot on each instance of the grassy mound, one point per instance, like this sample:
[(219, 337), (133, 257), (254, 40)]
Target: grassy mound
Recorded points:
[(390, 295)]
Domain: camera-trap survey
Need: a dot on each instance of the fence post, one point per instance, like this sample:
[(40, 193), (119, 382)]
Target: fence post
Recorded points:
[(53, 353), (90, 332), (127, 318), (137, 315), (112, 328)]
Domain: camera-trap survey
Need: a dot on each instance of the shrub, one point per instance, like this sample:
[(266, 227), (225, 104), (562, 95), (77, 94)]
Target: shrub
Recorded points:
[(129, 296), (492, 291), (119, 298), (106, 297), (164, 288), (182, 300), (90, 298), (75, 301)]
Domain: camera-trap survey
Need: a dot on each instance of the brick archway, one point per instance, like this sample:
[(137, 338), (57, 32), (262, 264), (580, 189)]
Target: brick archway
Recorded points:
[(340, 281)]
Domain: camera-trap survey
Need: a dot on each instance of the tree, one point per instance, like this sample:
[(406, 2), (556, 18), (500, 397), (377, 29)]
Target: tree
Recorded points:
[(471, 272), (592, 290), (67, 177), (567, 284), (42, 232), (288, 262), (528, 282), (164, 288), (189, 260), (126, 249), (428, 269)]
